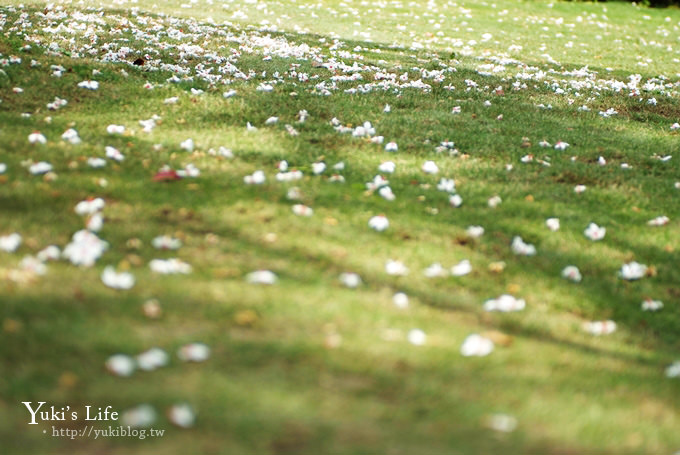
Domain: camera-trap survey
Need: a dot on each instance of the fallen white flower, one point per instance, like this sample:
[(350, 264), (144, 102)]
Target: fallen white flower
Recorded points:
[(396, 268), (475, 231), (595, 232), (49, 253), (256, 178), (37, 137), (10, 243), (455, 200), (302, 210), (165, 242), (494, 201), (113, 154), (521, 248), (435, 270), (632, 271), (152, 359), (379, 223), (476, 345), (41, 167), (417, 337), (351, 280), (572, 273), (120, 365), (89, 85), (169, 266), (505, 303), (462, 268), (90, 206), (553, 224), (387, 167), (261, 277), (71, 136), (430, 167), (400, 300), (391, 147), (182, 415), (85, 248), (141, 416), (659, 221), (600, 327), (117, 280), (651, 305), (115, 129), (673, 370), (194, 352)]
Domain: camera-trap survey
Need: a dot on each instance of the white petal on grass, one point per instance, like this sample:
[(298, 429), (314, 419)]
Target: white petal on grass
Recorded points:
[(417, 337), (96, 163), (476, 346), (33, 265), (505, 303), (71, 136), (115, 129), (90, 206), (170, 266), (85, 248), (503, 423), (89, 85), (651, 305), (152, 359), (261, 277), (49, 253), (95, 223), (475, 231), (448, 185), (194, 352), (141, 416), (387, 167), (318, 168), (578, 189), (3, 168), (120, 365), (165, 242), (386, 193), (256, 178), (572, 273), (302, 210), (10, 243), (391, 147), (673, 370), (462, 268), (553, 224), (659, 221), (494, 201), (188, 145), (600, 327), (595, 232), (455, 200), (400, 300), (117, 280), (379, 223), (182, 415), (435, 270), (113, 153), (430, 167), (351, 280), (396, 268), (521, 248), (632, 271), (41, 167)]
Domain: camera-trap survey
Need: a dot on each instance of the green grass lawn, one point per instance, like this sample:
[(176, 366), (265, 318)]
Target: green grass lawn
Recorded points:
[(308, 365)]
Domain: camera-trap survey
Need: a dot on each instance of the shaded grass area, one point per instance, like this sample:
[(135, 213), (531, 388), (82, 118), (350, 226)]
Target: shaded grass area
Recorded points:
[(271, 386)]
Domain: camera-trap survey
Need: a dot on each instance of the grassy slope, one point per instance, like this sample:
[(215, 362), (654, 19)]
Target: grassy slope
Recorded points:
[(273, 386)]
